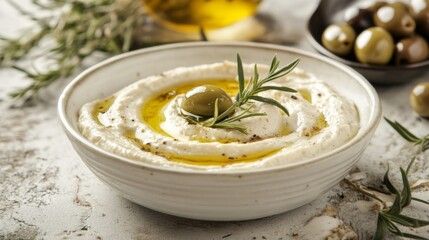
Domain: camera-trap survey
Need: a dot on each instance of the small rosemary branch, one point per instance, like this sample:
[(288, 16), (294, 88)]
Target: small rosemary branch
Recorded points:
[(83, 28), (389, 218), (246, 95)]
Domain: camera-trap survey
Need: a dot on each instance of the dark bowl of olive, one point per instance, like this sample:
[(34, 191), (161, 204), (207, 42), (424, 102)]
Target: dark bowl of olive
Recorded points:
[(387, 42)]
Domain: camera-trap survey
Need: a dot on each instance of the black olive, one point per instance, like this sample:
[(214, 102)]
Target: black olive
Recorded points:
[(411, 50), (359, 18)]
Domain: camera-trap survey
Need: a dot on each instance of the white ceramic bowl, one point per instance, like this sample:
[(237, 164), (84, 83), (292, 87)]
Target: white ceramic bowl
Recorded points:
[(217, 196)]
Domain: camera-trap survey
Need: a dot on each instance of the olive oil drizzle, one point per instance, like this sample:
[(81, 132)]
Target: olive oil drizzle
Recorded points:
[(222, 159), (102, 107), (152, 112), (318, 126), (305, 94)]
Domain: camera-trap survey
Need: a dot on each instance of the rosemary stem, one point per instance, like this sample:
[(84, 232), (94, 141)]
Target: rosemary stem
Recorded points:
[(365, 192)]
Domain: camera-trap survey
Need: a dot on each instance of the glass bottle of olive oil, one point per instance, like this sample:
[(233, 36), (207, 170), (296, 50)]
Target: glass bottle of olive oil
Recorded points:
[(190, 15)]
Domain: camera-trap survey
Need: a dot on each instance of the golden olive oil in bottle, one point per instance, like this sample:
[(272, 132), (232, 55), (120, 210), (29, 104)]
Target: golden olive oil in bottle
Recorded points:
[(190, 15)]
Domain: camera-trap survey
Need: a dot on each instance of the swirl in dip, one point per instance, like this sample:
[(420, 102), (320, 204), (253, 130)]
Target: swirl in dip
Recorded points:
[(142, 121)]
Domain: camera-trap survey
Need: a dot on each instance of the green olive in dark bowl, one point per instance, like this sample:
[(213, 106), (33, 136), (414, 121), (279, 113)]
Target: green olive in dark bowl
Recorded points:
[(339, 38), (419, 99), (200, 101), (395, 19), (374, 46)]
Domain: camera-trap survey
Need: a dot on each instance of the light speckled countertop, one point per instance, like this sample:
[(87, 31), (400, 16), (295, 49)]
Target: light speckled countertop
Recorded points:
[(46, 192)]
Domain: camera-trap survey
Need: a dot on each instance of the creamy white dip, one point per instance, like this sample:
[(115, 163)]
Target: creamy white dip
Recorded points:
[(320, 120)]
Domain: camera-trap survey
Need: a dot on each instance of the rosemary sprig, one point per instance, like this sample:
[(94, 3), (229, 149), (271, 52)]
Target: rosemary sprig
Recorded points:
[(390, 217), (82, 29), (245, 96), (410, 137)]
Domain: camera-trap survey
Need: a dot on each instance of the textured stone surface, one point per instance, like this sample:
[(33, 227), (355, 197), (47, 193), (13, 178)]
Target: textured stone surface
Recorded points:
[(46, 192)]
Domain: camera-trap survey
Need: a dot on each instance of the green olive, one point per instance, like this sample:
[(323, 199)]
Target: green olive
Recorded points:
[(374, 46), (200, 101), (396, 19), (339, 39), (419, 99)]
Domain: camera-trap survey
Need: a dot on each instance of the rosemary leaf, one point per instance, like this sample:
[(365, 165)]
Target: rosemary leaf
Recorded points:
[(425, 144), (396, 208), (236, 127), (282, 72), (381, 228), (395, 230), (407, 135), (240, 117), (407, 221), (240, 73), (412, 236), (212, 121), (406, 190), (270, 101), (278, 88), (409, 165), (389, 225), (402, 131), (274, 64), (420, 200), (243, 115)]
